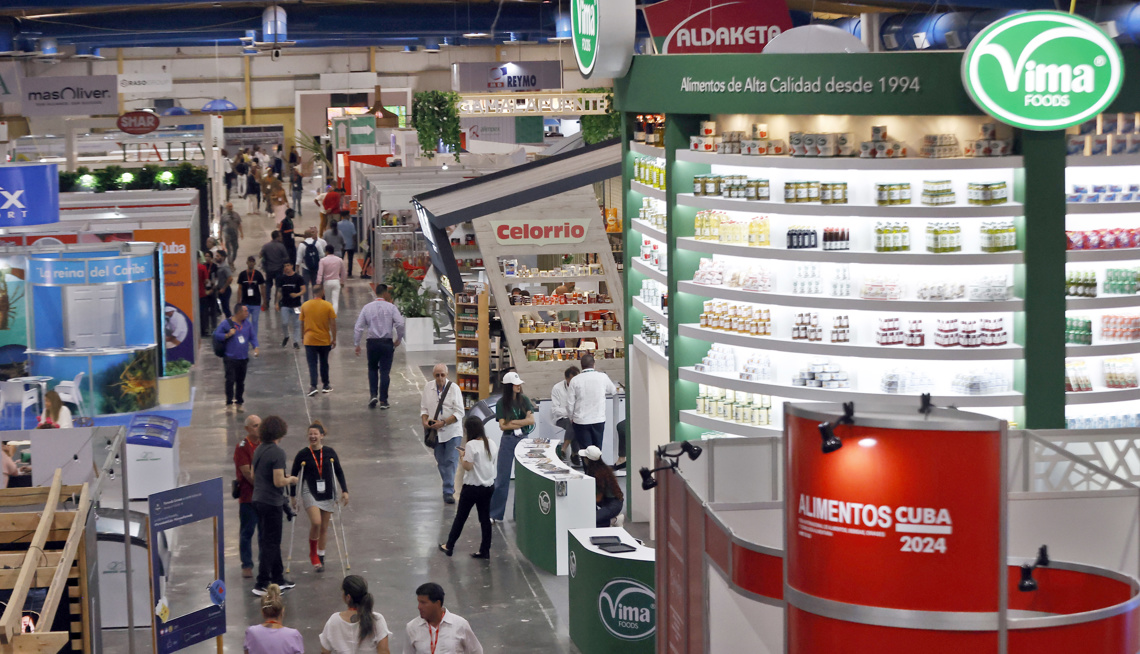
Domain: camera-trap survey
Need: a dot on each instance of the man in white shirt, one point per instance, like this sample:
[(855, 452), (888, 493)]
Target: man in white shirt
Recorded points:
[(437, 630), (560, 413), (446, 425), (587, 399)]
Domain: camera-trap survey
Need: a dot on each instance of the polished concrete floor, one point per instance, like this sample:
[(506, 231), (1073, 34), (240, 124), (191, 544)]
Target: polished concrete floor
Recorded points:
[(396, 516)]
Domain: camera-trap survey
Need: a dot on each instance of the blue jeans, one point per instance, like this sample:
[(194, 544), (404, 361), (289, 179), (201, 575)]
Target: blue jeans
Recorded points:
[(608, 510), (503, 475), (447, 460), (254, 315), (248, 517), (297, 201), (289, 316)]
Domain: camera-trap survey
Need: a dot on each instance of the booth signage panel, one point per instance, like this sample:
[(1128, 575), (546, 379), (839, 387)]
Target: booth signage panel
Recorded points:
[(536, 518), (538, 232), (92, 271), (146, 83), (9, 83), (97, 95), (603, 34), (1043, 70), (613, 603), (883, 523), (174, 508), (179, 275), (29, 195), (138, 122), (481, 77), (699, 26)]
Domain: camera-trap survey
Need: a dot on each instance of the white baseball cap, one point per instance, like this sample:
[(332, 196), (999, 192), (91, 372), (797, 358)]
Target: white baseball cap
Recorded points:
[(513, 379), (592, 453)]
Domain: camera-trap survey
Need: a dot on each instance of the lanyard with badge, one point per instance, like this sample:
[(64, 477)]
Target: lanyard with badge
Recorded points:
[(320, 470), (434, 637)]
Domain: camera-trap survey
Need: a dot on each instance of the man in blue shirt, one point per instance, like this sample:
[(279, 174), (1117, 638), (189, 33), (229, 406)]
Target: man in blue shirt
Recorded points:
[(347, 232), (239, 335)]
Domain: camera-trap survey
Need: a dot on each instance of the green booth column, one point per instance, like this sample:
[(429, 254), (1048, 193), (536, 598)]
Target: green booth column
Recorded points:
[(613, 604), (548, 503)]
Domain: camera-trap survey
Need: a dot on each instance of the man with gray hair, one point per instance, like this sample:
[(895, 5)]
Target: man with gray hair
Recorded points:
[(243, 461), (586, 395), (441, 410)]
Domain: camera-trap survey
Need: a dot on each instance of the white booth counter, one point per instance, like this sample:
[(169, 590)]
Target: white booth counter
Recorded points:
[(613, 603), (550, 499)]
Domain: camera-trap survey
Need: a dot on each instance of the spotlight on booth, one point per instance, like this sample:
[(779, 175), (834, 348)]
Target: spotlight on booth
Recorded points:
[(87, 181), (647, 480), (831, 442), (692, 449), (126, 178), (1028, 584), (166, 178)]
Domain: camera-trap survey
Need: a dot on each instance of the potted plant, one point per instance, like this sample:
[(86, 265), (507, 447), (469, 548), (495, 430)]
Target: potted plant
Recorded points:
[(435, 115), (414, 302)]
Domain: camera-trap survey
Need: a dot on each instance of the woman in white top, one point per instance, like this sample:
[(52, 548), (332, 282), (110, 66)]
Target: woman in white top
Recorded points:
[(357, 629), (55, 412), (478, 486)]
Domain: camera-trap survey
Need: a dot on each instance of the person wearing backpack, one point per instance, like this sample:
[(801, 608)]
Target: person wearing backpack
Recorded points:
[(232, 341), (309, 256)]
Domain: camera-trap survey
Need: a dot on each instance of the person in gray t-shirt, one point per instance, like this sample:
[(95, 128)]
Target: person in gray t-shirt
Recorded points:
[(223, 281), (269, 480)]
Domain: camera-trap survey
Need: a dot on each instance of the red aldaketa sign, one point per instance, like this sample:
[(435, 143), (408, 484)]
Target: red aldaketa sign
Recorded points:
[(704, 26)]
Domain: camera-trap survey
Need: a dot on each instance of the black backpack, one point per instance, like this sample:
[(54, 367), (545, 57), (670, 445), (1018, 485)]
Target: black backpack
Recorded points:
[(220, 343), (242, 168), (312, 257)]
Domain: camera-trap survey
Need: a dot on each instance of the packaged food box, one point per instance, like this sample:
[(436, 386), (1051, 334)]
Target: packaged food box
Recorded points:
[(777, 146), (1076, 143), (1117, 143), (1099, 145), (1132, 143), (879, 133), (845, 139), (708, 127), (760, 131), (809, 145), (982, 148), (1126, 123), (988, 131), (867, 149), (702, 143), (1088, 127), (1109, 123)]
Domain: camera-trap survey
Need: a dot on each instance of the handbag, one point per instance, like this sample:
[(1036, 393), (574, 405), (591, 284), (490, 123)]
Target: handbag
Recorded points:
[(236, 490), (431, 438)]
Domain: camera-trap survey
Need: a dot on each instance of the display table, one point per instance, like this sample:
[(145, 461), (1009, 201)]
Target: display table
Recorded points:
[(550, 499), (613, 606)]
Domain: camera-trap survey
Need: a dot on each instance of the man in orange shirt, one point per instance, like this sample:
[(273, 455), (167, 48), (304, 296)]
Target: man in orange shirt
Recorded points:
[(318, 325)]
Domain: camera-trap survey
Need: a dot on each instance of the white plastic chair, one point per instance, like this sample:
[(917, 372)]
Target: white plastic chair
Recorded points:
[(71, 392), (14, 393)]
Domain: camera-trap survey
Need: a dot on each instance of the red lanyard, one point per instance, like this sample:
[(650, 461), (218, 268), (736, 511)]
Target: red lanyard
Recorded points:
[(435, 637), (320, 463)]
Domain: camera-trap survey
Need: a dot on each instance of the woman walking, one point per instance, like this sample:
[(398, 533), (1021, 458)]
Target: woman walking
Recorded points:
[(609, 499), (319, 469), (253, 189), (515, 413), (332, 236), (272, 637), (357, 629), (330, 273), (478, 486)]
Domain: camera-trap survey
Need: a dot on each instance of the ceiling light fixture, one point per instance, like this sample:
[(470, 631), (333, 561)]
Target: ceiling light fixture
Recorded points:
[(476, 35)]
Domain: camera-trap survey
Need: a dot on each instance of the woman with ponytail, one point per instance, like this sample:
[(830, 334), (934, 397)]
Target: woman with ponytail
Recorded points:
[(479, 456), (357, 629), (271, 637)]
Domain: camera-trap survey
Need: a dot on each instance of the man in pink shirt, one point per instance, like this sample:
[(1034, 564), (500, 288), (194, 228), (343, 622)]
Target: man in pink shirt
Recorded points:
[(331, 274)]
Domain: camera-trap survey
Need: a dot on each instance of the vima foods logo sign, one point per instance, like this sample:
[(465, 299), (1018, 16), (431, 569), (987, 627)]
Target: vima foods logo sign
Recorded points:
[(628, 609), (1043, 70), (584, 26), (544, 503)]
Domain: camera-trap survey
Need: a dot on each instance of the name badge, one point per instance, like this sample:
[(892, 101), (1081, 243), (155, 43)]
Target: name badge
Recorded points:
[(249, 291), (320, 485), (297, 310), (241, 340)]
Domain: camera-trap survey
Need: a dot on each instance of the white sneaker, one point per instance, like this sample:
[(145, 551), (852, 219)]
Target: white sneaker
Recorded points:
[(618, 521)]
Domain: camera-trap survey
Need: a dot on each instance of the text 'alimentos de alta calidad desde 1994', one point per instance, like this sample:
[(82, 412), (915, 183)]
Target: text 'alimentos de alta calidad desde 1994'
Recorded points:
[(801, 84)]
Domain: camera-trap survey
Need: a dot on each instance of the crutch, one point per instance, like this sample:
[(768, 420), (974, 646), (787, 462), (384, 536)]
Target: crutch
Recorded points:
[(334, 520), (293, 529)]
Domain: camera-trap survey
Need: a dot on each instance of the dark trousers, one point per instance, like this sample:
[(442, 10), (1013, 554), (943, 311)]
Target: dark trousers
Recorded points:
[(247, 515), (588, 435), (608, 510), (206, 307), (270, 570), (350, 255), (480, 498), (318, 354), (270, 285), (380, 354), (224, 299), (235, 379)]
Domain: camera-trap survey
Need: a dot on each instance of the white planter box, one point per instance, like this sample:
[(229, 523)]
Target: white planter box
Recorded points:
[(419, 335)]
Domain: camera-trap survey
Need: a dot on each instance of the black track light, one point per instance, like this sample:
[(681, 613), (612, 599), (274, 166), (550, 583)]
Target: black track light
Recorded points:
[(647, 480), (831, 442), (692, 449), (1042, 557), (1027, 583)]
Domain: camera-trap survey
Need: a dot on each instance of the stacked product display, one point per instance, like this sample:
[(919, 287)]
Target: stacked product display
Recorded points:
[(735, 406)]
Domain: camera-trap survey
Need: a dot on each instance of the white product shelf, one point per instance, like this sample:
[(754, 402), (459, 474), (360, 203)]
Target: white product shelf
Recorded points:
[(538, 281), (656, 354), (1103, 302), (652, 313), (649, 271), (1102, 396), (854, 256), (646, 190), (929, 353), (558, 336), (1103, 349), (1121, 254), (559, 308), (846, 395), (1081, 161), (646, 150), (850, 163), (1077, 208), (647, 230), (778, 207), (716, 424), (853, 303)]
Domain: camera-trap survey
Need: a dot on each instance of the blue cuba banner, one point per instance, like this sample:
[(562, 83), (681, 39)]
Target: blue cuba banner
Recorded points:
[(29, 194)]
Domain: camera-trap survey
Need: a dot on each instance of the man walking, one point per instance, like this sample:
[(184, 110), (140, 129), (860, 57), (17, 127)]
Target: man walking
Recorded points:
[(290, 288), (230, 223), (238, 334), (297, 183), (223, 281), (441, 394), (309, 255), (587, 395), (560, 414), (384, 326), (274, 256), (205, 298), (243, 461), (269, 480), (437, 630), (287, 237), (251, 290), (348, 234), (318, 320)]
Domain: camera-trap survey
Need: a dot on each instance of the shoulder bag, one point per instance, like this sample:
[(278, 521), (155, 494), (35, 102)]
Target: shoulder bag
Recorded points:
[(431, 438)]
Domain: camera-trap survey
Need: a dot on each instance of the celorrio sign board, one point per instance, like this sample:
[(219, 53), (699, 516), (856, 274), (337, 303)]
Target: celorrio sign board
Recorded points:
[(704, 26), (540, 232), (70, 96), (603, 33), (1043, 70)]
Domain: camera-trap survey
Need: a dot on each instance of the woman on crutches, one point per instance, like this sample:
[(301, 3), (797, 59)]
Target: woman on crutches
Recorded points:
[(320, 471)]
